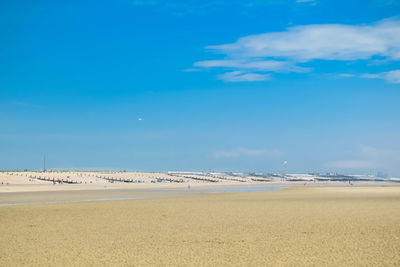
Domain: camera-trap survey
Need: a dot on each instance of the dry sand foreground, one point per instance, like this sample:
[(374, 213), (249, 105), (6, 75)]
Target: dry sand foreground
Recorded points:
[(296, 226)]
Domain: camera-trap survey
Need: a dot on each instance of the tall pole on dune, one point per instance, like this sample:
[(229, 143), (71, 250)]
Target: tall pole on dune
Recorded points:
[(44, 163)]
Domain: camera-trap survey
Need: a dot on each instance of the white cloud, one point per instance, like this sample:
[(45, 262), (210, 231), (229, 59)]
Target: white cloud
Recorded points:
[(346, 75), (320, 41), (259, 65), (392, 76), (240, 76), (286, 51), (244, 152)]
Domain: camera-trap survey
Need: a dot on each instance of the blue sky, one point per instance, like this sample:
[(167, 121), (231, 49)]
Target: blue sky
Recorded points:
[(218, 85)]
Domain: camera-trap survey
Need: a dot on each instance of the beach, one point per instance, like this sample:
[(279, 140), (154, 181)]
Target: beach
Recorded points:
[(300, 226), (200, 133)]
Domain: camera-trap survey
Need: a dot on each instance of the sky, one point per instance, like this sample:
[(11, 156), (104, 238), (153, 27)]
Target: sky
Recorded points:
[(245, 86)]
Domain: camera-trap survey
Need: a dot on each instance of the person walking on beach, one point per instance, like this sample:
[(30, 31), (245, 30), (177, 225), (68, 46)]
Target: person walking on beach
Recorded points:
[(188, 185)]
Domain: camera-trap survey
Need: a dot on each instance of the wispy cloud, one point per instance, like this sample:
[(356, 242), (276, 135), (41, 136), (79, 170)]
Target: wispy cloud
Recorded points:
[(288, 50), (258, 65), (392, 76), (346, 75), (370, 76), (244, 70), (240, 76), (350, 164), (306, 1), (244, 152), (368, 158)]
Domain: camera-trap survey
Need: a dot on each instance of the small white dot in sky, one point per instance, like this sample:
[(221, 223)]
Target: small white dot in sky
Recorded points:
[(139, 119)]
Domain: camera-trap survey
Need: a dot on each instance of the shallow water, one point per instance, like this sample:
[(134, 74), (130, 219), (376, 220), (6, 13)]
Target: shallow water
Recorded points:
[(36, 198), (68, 201), (238, 188)]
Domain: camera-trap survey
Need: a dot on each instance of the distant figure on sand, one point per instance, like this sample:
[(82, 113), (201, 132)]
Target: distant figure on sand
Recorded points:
[(189, 185)]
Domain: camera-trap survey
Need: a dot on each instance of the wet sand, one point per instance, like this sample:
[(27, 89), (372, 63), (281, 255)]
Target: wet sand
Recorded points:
[(321, 226), (85, 195)]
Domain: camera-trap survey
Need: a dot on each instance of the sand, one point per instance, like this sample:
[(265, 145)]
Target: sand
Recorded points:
[(329, 226)]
